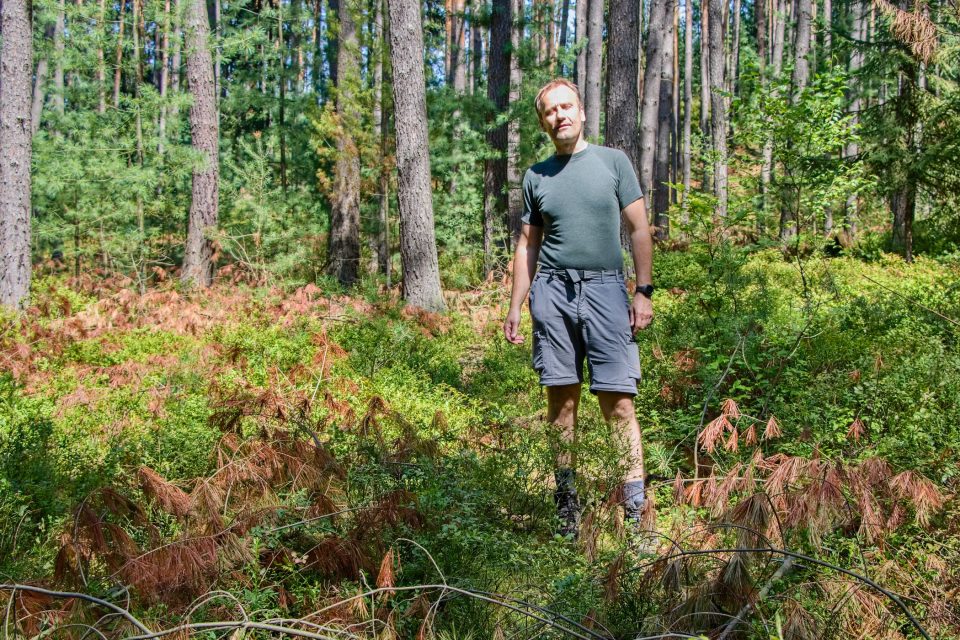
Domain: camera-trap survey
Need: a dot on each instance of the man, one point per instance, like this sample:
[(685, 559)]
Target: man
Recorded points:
[(573, 202)]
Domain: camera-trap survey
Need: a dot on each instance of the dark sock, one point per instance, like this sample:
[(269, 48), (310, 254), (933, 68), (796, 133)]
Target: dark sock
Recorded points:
[(567, 501), (633, 499)]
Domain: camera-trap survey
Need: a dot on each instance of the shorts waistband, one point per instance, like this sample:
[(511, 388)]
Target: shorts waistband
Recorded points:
[(579, 275)]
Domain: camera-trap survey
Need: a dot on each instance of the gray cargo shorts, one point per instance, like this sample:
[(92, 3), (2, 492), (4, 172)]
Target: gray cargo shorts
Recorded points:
[(579, 314)]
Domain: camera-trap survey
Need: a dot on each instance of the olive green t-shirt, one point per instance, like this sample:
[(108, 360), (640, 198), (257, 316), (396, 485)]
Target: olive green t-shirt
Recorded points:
[(577, 200)]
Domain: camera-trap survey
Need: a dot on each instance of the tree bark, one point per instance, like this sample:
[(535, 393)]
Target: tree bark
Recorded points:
[(514, 187), (852, 149), (39, 84), (903, 204), (198, 254), (580, 67), (664, 157), (658, 44), (718, 109), (476, 46), (343, 255), (164, 78), (801, 76), (498, 92), (118, 69), (734, 70), (592, 100), (458, 67), (776, 66), (705, 86), (16, 66), (333, 16), (621, 106), (418, 248), (101, 62), (687, 101), (58, 97)]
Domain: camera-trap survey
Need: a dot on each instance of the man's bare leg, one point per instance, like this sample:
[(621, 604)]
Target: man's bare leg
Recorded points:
[(562, 403), (618, 410)]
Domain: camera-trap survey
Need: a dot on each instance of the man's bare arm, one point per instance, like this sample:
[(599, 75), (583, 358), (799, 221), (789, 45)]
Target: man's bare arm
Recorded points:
[(635, 215), (524, 266)]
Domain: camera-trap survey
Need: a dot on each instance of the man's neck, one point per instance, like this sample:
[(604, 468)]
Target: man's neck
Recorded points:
[(570, 148)]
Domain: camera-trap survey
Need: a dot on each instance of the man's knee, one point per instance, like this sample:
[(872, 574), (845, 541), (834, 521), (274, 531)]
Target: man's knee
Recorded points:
[(616, 406), (563, 399)]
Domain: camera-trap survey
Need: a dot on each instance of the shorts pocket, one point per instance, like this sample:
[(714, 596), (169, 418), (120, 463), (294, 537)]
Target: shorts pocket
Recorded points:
[(539, 345), (633, 360)]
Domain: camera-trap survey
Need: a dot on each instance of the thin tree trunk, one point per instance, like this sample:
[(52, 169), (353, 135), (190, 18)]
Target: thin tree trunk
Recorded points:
[(664, 157), (687, 102), (383, 251), (705, 87), (903, 204), (776, 66), (164, 78), (789, 207), (658, 44), (827, 27), (117, 73), (16, 65), (316, 71), (333, 12), (594, 68), (580, 70), (564, 18), (175, 60), (551, 53), (476, 47), (58, 87), (458, 67), (852, 149), (498, 92), (101, 62), (718, 109), (39, 84), (418, 248), (675, 112), (734, 70), (198, 254), (343, 256), (514, 193)]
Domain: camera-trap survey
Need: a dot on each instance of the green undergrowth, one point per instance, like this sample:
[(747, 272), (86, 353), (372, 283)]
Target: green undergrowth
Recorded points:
[(436, 454)]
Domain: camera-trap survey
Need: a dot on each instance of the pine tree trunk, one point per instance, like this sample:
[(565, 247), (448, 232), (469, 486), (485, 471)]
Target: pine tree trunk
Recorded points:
[(777, 20), (664, 157), (458, 66), (852, 149), (58, 86), (564, 19), (383, 248), (903, 204), (16, 66), (164, 78), (687, 101), (176, 57), (827, 27), (705, 87), (118, 68), (498, 92), (198, 254), (658, 44), (101, 62), (39, 85), (580, 18), (514, 187), (789, 207), (621, 107), (592, 100), (623, 38), (718, 109), (476, 46), (333, 15), (418, 248), (733, 71), (343, 254)]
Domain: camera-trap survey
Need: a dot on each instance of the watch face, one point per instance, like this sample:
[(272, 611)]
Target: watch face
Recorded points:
[(646, 290)]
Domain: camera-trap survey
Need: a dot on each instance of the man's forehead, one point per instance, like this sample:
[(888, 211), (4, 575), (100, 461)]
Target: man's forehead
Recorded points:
[(559, 95)]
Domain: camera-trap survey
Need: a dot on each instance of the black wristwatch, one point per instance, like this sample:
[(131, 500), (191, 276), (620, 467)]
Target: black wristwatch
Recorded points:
[(645, 289)]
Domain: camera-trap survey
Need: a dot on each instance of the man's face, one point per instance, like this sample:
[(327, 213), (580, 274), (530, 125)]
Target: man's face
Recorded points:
[(561, 116)]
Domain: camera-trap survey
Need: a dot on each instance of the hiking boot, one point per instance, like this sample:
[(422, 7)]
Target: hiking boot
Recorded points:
[(634, 500), (568, 503)]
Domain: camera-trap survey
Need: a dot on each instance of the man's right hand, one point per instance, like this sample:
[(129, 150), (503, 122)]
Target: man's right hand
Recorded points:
[(511, 327)]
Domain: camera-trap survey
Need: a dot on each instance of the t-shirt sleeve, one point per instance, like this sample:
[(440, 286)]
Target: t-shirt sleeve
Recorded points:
[(628, 189), (531, 212)]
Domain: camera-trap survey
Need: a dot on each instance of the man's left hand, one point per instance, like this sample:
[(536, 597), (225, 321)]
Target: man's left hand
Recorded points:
[(641, 312)]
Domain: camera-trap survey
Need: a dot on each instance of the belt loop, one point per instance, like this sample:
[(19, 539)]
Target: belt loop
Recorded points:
[(573, 275)]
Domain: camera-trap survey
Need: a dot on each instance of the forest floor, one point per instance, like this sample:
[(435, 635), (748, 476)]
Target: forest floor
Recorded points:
[(341, 466)]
